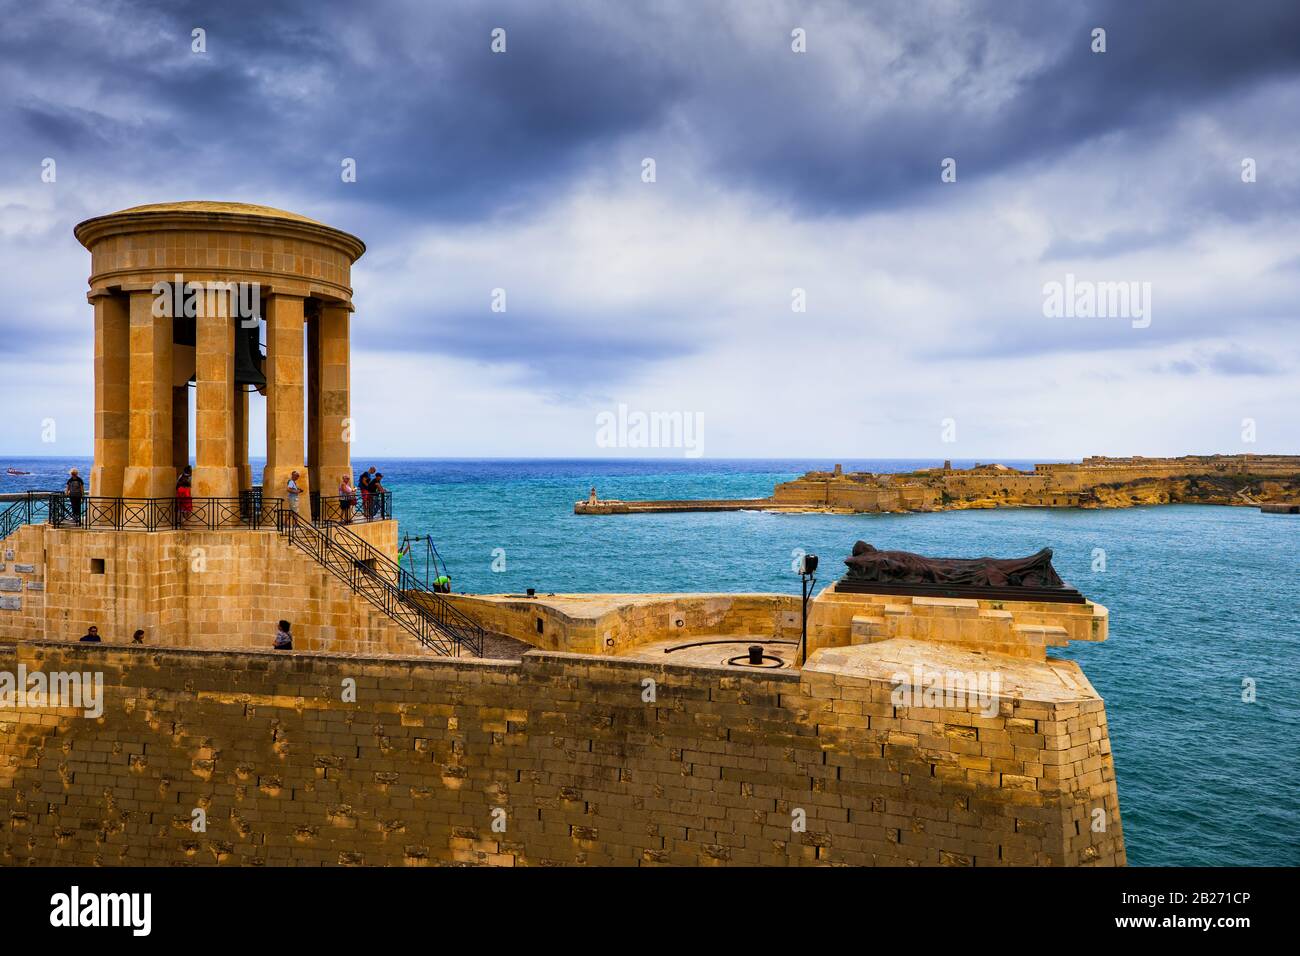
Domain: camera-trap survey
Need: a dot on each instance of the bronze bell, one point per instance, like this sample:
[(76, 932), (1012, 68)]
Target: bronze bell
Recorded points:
[(248, 359), (248, 354)]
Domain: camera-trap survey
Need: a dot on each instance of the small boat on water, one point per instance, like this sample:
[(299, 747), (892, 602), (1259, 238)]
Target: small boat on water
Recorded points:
[(15, 471)]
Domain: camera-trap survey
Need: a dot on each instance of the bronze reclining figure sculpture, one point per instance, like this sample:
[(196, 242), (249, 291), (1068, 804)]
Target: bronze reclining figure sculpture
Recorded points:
[(868, 564)]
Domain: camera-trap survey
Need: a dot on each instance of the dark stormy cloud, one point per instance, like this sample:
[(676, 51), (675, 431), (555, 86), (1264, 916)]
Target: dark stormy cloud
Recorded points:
[(776, 171)]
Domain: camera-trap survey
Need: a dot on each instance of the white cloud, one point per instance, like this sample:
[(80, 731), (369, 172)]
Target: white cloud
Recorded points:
[(675, 296)]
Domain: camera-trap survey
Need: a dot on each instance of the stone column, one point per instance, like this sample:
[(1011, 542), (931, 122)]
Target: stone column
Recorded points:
[(149, 472), (313, 396), (180, 427), (284, 399), (215, 475), (332, 407), (243, 470), (112, 398)]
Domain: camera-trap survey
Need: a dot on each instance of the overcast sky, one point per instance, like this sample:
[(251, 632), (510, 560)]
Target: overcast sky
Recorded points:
[(775, 171)]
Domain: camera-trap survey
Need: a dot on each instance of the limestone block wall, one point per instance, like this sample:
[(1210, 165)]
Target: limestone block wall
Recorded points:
[(562, 752), (801, 491), (22, 583), (982, 485), (1016, 628), (614, 623), (918, 498), (853, 495), (1128, 468), (857, 497), (1098, 470), (214, 589)]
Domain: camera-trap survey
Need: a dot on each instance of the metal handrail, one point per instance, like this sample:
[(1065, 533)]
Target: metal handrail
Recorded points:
[(442, 627), (372, 507), (29, 509), (445, 614), (95, 512)]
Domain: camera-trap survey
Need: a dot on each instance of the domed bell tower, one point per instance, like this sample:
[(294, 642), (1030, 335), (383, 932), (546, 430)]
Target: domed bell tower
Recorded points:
[(224, 299)]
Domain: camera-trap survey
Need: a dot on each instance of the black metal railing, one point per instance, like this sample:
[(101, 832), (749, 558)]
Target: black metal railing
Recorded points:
[(62, 510), (162, 514), (433, 620), (334, 507), (248, 510), (32, 508)]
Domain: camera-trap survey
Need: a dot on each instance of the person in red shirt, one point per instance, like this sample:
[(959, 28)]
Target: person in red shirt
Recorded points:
[(184, 500)]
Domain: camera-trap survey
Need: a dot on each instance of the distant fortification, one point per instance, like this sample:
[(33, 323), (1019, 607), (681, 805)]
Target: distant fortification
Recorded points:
[(1096, 482)]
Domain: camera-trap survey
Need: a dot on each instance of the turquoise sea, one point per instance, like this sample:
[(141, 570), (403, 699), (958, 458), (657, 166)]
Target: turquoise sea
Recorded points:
[(1203, 600)]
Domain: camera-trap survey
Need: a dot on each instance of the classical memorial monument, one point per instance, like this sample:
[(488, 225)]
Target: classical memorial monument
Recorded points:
[(177, 288), (908, 714), (183, 294)]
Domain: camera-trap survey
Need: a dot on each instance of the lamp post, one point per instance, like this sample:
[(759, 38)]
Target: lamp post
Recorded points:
[(807, 578)]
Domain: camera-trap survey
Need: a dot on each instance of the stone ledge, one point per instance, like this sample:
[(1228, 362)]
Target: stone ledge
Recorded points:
[(232, 655), (922, 601), (531, 660), (538, 657), (1051, 681)]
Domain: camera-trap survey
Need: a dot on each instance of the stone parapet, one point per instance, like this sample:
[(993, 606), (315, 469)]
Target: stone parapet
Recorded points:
[(618, 623)]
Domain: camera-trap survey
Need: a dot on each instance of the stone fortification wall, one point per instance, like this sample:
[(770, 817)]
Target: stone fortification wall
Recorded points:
[(555, 759)]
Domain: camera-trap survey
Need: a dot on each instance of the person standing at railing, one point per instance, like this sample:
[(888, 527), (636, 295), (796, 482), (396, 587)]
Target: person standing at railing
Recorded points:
[(292, 491), (366, 484), (75, 489), (377, 494), (347, 498), (184, 499)]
